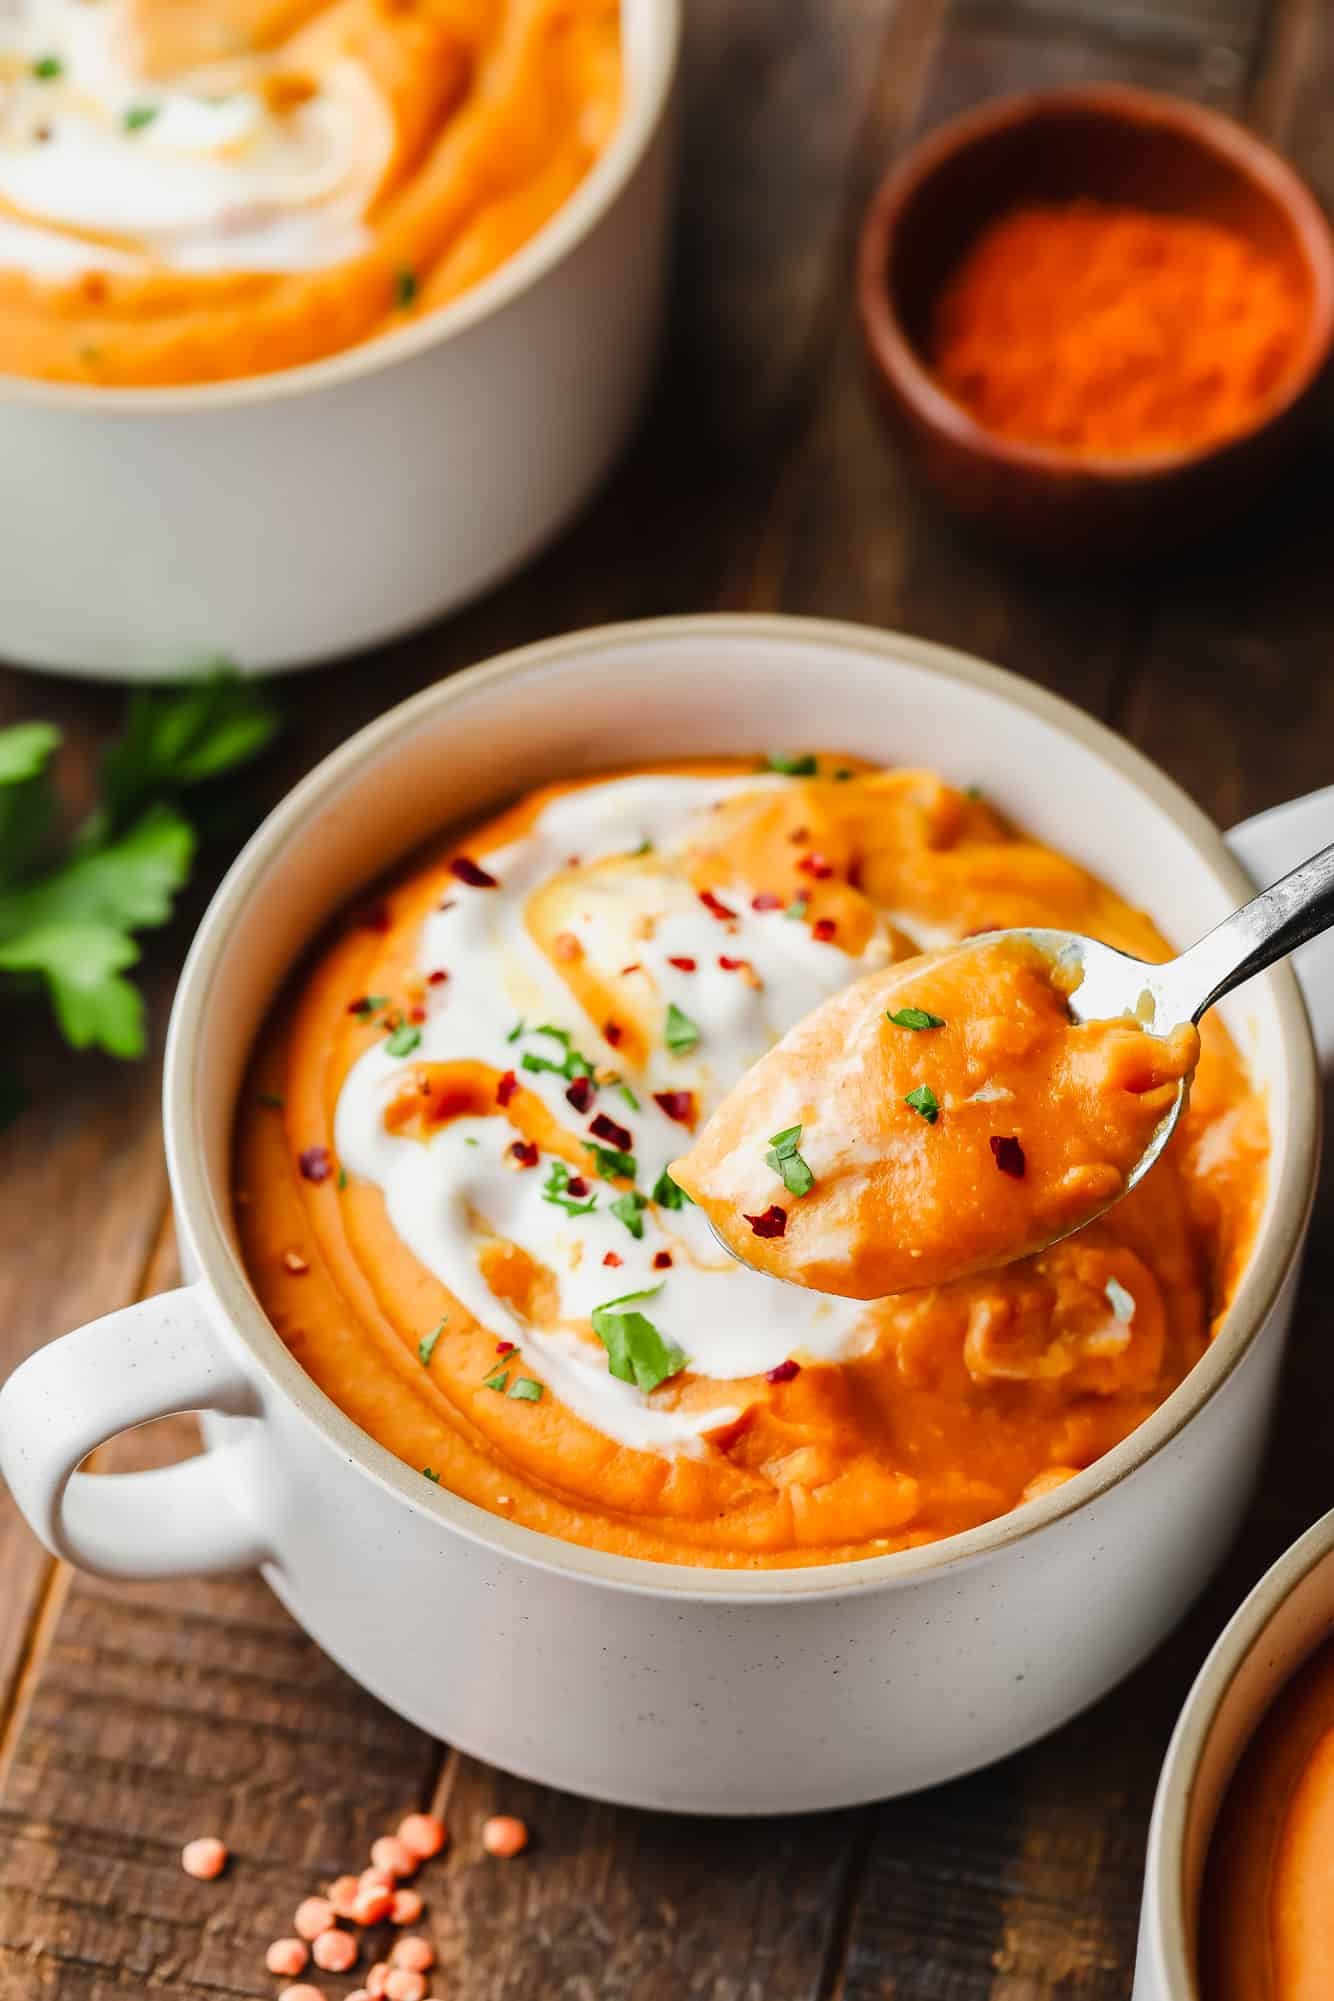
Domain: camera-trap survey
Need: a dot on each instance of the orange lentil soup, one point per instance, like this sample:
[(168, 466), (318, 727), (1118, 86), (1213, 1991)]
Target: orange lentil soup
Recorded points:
[(189, 193), (939, 1118), (1267, 1917), (453, 1194)]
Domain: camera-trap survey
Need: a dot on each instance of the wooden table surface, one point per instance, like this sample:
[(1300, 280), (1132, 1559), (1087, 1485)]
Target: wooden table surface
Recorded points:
[(137, 1716)]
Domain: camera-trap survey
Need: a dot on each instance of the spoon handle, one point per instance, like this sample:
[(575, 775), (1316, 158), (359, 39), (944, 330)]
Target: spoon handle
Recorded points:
[(1297, 907)]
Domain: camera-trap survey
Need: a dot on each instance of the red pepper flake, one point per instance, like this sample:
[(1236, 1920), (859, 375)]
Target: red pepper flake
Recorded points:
[(525, 1152), (784, 1372), (618, 1136), (417, 1012), (576, 1186), (823, 929), (471, 872), (678, 1105), (1008, 1155), (716, 907), (815, 864), (375, 917), (580, 1093), (506, 1088), (633, 967), (731, 965), (437, 978), (661, 1260), (613, 1032), (683, 965), (505, 1347), (613, 1258), (772, 1223), (766, 900), (315, 1163)]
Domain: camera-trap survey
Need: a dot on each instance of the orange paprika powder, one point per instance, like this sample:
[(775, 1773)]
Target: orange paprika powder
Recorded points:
[(1116, 331)]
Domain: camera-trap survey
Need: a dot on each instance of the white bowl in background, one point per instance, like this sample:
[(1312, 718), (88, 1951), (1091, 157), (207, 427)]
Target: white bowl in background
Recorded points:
[(278, 520), (664, 1685)]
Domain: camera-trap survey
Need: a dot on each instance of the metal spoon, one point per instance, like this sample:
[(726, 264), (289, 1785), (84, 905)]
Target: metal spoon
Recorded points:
[(1162, 997)]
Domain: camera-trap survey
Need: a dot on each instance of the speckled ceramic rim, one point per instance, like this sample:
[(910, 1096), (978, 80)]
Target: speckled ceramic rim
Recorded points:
[(199, 1206), (657, 41), (1166, 1871), (1211, 132)]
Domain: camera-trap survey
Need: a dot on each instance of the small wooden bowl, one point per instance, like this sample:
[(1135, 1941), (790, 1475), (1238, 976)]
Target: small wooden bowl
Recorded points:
[(1115, 145)]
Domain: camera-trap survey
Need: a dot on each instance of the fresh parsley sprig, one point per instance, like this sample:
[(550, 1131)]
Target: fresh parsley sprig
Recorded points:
[(70, 905)]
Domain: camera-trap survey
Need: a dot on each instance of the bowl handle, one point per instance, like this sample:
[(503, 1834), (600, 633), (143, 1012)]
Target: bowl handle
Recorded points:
[(1267, 847), (153, 1359)]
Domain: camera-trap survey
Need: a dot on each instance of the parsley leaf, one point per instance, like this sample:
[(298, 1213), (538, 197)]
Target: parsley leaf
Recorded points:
[(405, 287), (404, 1039), (629, 1209), (798, 907), (526, 1390), (27, 803), (426, 1346), (636, 1352), (429, 1473), (680, 1034), (924, 1100), (140, 115), (666, 1193), (497, 1381), (553, 1190), (612, 1164), (792, 767), (788, 1164), (915, 1017)]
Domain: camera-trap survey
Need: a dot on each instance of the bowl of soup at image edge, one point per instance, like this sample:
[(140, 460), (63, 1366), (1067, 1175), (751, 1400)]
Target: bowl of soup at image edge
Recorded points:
[(706, 1687), (1236, 1895), (1120, 148), (282, 518)]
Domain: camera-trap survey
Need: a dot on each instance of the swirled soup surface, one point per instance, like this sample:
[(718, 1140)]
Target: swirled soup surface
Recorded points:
[(452, 1197), (1267, 1914), (192, 192), (941, 1117)]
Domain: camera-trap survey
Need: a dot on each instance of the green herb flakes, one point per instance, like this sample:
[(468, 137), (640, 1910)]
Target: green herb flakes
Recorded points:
[(368, 1005), (612, 1164), (914, 1017), (630, 1098), (47, 69), (428, 1473), (405, 287), (924, 1100), (342, 1179), (426, 1346), (404, 1039), (798, 907), (526, 1391), (636, 1352), (629, 1209), (681, 1034), (788, 1164), (497, 1381), (554, 1187), (140, 115), (804, 766), (516, 1031), (666, 1193)]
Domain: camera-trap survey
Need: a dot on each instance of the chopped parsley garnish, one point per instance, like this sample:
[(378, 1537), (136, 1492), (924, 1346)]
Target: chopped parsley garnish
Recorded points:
[(798, 907), (915, 1017), (140, 115), (497, 1381), (554, 1190), (428, 1473), (788, 1164), (972, 791), (666, 1193), (612, 1164), (629, 1096), (792, 767), (526, 1391), (368, 1005), (342, 1177), (516, 1031), (405, 287), (680, 1034), (47, 68), (404, 1039), (924, 1100), (1122, 1302), (636, 1352), (629, 1209), (645, 848), (426, 1346), (573, 1064), (843, 774)]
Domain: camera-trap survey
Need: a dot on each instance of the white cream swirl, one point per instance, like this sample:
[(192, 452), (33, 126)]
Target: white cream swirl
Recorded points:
[(248, 164), (444, 1196)]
